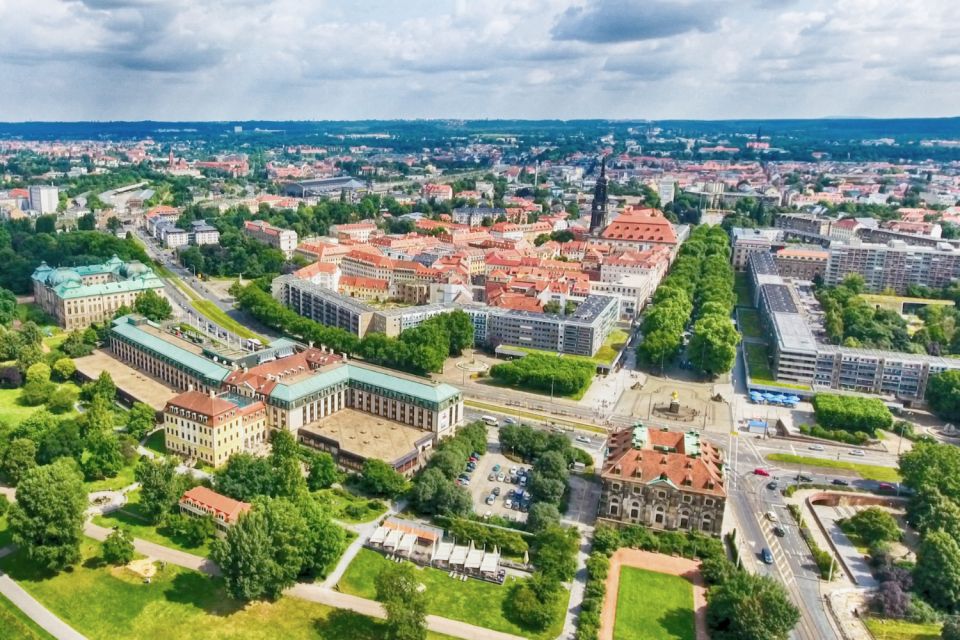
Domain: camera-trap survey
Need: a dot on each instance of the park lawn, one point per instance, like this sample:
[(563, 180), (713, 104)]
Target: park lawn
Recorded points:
[(741, 285), (474, 601), (611, 346), (337, 501), (11, 411), (112, 603), (749, 320), (886, 629), (131, 518), (155, 442), (123, 479), (16, 625), (866, 471), (757, 364), (653, 606)]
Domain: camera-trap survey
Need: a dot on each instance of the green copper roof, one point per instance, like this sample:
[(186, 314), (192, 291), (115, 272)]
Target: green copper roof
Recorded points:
[(70, 290), (313, 384), (201, 367)]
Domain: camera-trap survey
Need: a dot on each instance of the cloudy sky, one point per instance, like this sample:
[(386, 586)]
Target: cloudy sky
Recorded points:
[(348, 59)]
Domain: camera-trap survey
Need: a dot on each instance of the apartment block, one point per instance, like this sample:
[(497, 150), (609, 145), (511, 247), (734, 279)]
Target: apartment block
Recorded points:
[(283, 239)]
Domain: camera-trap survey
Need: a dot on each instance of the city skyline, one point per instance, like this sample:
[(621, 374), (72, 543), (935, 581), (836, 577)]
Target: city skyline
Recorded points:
[(140, 59)]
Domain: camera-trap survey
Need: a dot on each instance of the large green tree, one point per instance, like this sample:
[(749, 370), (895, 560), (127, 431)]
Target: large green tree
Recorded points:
[(750, 607), (713, 346), (160, 487), (323, 471), (103, 457), (118, 547), (245, 557), (153, 305), (140, 420), (381, 479), (284, 459), (47, 518), (937, 573), (943, 394), (20, 457), (406, 605)]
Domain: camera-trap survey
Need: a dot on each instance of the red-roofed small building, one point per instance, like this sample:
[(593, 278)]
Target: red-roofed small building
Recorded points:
[(437, 192), (201, 502), (640, 229), (324, 274)]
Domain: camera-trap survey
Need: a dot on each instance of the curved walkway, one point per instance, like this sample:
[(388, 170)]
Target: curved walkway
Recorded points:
[(33, 609)]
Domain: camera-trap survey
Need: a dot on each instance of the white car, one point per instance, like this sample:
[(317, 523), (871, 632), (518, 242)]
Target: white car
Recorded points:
[(816, 447), (857, 452), (772, 516), (583, 439), (513, 471), (508, 503)]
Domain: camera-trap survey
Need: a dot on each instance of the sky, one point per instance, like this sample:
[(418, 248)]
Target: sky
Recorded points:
[(354, 59)]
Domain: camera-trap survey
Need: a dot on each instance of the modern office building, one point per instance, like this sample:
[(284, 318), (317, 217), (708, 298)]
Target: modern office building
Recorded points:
[(662, 480), (787, 311), (44, 199), (895, 265), (749, 241), (80, 296), (323, 305)]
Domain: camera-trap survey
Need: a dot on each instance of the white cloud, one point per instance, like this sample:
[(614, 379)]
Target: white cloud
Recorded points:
[(226, 59)]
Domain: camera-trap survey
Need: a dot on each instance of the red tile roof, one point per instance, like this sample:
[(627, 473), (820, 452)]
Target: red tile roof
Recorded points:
[(641, 225), (663, 458), (209, 500)]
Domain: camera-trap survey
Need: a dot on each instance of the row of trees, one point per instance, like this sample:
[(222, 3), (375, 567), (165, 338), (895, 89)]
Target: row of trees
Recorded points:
[(851, 414), (544, 372), (421, 349), (699, 287), (435, 491)]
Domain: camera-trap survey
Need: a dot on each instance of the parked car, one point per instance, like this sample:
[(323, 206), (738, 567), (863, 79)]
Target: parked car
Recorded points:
[(514, 479), (816, 447), (772, 485), (516, 505), (509, 421), (508, 503), (583, 439), (492, 477), (500, 477), (772, 516), (496, 468), (513, 471), (886, 486), (761, 472), (857, 452), (471, 466), (477, 454), (804, 478), (839, 482), (522, 472), (523, 481), (491, 499), (766, 556), (779, 531), (496, 491)]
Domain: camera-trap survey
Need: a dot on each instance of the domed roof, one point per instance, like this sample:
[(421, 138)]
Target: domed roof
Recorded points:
[(133, 268), (62, 275), (114, 261)]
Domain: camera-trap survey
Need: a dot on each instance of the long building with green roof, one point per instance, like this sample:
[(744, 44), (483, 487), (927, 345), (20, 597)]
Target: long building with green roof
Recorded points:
[(302, 387)]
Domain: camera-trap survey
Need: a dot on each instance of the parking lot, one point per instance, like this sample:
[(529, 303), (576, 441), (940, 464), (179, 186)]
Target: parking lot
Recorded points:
[(480, 487)]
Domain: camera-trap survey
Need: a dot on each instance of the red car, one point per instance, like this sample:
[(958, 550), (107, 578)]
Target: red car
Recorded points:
[(761, 472), (886, 486)]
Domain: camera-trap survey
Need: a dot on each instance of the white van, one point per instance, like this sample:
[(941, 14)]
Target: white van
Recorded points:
[(490, 420)]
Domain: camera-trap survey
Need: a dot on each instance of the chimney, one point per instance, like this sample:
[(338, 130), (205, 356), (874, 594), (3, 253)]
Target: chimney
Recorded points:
[(213, 394), (345, 356), (190, 387)]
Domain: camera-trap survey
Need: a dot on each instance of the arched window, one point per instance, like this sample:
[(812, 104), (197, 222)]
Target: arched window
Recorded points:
[(684, 522), (707, 524), (658, 516), (635, 513), (614, 507)]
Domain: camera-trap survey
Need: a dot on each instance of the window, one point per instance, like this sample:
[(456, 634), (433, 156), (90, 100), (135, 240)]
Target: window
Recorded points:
[(661, 494), (614, 509), (658, 516), (635, 513), (684, 522), (615, 486), (708, 502), (707, 524), (688, 499), (637, 489)]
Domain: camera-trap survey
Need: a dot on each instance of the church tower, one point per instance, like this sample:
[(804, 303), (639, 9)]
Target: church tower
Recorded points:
[(598, 211)]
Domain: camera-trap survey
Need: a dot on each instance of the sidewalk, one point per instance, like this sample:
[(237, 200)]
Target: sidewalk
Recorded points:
[(36, 611)]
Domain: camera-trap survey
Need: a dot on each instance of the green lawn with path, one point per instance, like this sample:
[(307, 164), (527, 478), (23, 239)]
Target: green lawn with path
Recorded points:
[(132, 518), (886, 629), (15, 624), (865, 471), (155, 442), (11, 411), (123, 479), (110, 603), (653, 606), (219, 316), (473, 601)]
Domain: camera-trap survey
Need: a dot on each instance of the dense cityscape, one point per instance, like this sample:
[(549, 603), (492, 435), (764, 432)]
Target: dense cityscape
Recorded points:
[(546, 320)]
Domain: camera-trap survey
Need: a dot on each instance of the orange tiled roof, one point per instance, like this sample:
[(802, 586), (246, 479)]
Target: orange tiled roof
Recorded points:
[(208, 499)]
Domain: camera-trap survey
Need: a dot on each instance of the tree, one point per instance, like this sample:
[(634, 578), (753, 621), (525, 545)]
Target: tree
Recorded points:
[(118, 547), (160, 487), (936, 576), (103, 457), (46, 224), (449, 461), (325, 539), (20, 457), (406, 605), (47, 519), (245, 557), (713, 346), (38, 373), (533, 601), (943, 394), (98, 416), (928, 465), (951, 628), (103, 386), (60, 441), (153, 305), (113, 224), (64, 368), (284, 459), (546, 489), (381, 479), (140, 420), (874, 525), (551, 464), (36, 393), (435, 493), (750, 607), (245, 477), (323, 471), (542, 516), (555, 553), (63, 399), (88, 221)]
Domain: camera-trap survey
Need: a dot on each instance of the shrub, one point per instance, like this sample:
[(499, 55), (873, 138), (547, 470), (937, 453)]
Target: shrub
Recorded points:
[(541, 372), (851, 413)]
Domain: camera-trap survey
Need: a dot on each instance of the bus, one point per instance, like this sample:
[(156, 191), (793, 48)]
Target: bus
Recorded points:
[(490, 421)]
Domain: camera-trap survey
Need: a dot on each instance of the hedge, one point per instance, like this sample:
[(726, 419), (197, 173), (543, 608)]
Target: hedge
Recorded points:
[(851, 413), (541, 372)]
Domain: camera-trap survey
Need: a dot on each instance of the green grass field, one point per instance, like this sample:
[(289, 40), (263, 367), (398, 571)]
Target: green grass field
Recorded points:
[(865, 471), (217, 315), (473, 601), (15, 625), (132, 518), (339, 505), (749, 322), (123, 479), (653, 606), (883, 629), (741, 285), (11, 411), (155, 442), (178, 603)]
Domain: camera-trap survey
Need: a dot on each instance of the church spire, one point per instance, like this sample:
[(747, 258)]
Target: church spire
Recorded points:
[(598, 211)]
